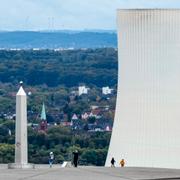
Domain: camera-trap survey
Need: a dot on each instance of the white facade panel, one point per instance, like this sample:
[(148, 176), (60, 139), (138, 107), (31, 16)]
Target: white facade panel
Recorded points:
[(146, 128)]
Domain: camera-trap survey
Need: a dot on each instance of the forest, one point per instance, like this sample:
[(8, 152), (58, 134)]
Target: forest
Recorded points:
[(67, 67)]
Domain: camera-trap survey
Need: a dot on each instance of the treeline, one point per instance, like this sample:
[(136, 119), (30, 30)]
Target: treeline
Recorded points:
[(67, 67), (62, 141)]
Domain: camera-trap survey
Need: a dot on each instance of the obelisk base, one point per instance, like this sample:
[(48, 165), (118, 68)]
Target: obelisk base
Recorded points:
[(20, 166)]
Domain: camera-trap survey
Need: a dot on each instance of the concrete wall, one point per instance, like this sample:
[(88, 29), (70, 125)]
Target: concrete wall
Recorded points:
[(146, 129)]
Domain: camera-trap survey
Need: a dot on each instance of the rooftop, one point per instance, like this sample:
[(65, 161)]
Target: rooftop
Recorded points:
[(43, 172)]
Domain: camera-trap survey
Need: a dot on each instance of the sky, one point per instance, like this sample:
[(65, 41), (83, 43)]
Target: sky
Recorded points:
[(69, 14)]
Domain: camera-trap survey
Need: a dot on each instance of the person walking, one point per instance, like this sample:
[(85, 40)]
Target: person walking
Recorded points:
[(113, 162), (122, 163), (75, 158), (51, 159)]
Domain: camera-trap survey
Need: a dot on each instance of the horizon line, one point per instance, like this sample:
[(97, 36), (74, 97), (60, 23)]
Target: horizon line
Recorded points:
[(61, 30)]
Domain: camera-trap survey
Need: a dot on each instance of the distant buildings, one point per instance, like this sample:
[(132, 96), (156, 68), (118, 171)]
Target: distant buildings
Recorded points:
[(74, 117), (82, 90), (85, 90), (108, 128), (85, 116), (76, 123), (106, 90), (94, 107), (93, 116)]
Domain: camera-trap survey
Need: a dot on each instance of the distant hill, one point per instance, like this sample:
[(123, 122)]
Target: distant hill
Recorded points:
[(58, 39)]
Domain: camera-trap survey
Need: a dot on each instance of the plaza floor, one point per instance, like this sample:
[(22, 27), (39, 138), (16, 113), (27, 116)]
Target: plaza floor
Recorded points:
[(43, 172)]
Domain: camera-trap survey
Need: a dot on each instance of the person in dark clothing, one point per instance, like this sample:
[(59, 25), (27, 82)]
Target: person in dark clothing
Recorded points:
[(113, 162), (75, 158)]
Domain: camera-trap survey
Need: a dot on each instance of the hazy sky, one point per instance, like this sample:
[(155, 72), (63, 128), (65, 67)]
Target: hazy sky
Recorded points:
[(69, 14)]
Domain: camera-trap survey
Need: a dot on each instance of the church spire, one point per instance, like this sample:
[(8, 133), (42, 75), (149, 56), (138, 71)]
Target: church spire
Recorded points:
[(43, 112), (43, 122)]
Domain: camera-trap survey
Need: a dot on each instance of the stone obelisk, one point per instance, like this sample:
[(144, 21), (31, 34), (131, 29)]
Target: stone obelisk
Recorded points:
[(21, 150)]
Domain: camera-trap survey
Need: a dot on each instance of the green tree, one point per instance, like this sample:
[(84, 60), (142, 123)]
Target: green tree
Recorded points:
[(6, 153)]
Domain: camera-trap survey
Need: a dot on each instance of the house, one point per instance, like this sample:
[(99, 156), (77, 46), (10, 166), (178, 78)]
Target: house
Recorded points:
[(85, 116), (82, 90), (66, 123), (108, 129), (96, 113), (94, 107), (106, 90), (74, 117)]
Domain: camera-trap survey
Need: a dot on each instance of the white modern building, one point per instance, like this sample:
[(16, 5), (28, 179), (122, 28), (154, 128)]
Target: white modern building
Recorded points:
[(106, 90), (82, 90), (146, 130)]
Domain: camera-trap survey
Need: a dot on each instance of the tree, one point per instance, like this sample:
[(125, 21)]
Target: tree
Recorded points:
[(91, 120), (6, 153)]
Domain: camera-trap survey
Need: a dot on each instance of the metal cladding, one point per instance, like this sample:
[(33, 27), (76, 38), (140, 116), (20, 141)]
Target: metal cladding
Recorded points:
[(147, 120)]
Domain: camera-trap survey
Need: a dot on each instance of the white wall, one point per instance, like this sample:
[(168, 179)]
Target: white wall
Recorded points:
[(146, 129)]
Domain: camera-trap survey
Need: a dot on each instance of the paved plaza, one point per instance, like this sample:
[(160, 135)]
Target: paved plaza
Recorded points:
[(43, 172)]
